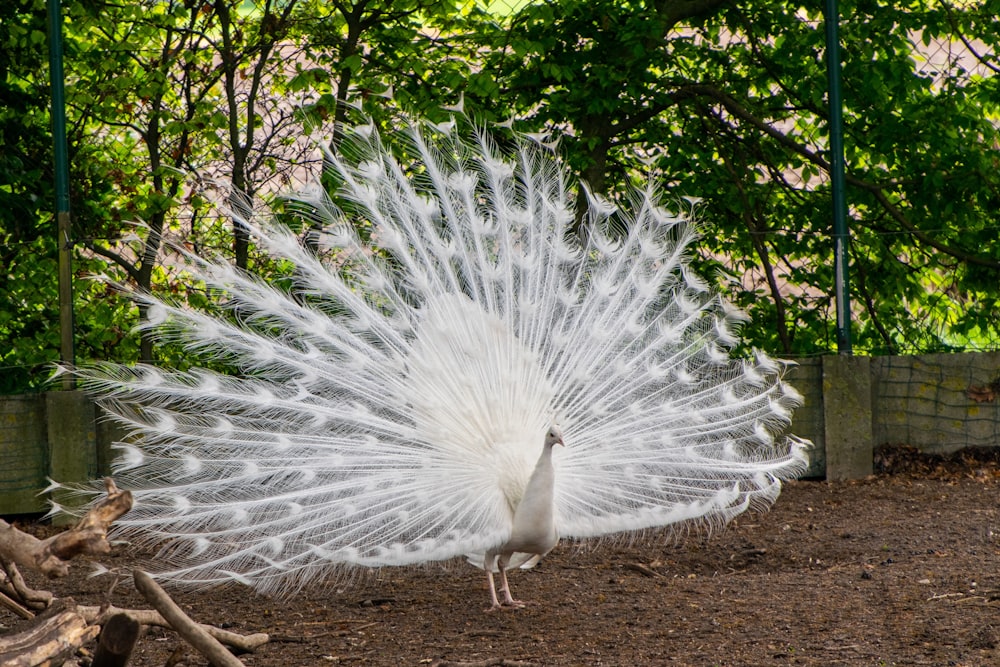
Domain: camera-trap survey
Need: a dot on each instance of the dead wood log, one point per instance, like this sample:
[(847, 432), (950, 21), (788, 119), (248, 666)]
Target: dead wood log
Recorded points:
[(9, 603), (37, 644), (121, 628), (239, 643), (52, 638), (195, 635), (118, 637), (88, 536), (13, 586)]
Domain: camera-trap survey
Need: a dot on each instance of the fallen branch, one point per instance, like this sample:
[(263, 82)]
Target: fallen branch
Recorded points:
[(14, 588), (241, 643), (16, 608), (194, 633), (87, 537), (90, 535), (118, 637), (53, 639), (642, 569)]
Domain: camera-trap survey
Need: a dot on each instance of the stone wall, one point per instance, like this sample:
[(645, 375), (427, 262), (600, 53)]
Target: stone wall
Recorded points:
[(47, 436), (938, 403)]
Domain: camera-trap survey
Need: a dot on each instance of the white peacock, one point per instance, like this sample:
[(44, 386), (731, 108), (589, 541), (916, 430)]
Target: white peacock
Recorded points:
[(403, 403)]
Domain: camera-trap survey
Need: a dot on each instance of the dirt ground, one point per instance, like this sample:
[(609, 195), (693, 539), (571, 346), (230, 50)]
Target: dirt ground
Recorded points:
[(898, 569)]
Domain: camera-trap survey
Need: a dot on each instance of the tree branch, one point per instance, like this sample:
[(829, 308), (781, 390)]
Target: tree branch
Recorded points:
[(676, 11), (87, 537), (242, 643), (738, 111), (195, 634), (117, 259)]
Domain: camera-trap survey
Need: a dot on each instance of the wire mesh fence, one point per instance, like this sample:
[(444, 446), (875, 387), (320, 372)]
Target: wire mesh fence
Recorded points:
[(935, 403), (938, 402)]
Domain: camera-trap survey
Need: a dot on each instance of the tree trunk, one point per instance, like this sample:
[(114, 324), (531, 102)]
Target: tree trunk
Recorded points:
[(118, 637), (594, 175)]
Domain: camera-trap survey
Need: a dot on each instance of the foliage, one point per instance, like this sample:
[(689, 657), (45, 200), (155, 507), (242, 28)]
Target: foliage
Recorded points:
[(715, 100), (29, 333), (24, 189), (179, 88), (727, 103)]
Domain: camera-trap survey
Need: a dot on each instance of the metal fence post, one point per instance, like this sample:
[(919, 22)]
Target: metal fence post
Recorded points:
[(841, 238)]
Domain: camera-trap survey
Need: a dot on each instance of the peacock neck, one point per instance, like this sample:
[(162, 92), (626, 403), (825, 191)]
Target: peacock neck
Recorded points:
[(540, 482)]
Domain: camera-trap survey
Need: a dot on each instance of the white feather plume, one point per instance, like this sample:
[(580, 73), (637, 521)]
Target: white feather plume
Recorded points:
[(392, 409)]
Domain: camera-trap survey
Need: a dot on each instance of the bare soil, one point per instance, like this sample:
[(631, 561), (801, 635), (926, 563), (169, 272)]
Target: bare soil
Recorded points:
[(898, 569)]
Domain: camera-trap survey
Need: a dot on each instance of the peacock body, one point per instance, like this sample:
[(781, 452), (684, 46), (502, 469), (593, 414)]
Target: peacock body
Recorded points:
[(404, 400)]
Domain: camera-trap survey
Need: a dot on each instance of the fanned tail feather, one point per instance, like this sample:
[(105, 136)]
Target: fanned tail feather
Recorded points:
[(388, 409)]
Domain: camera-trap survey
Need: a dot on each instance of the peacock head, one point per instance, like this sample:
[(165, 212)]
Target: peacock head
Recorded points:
[(554, 437)]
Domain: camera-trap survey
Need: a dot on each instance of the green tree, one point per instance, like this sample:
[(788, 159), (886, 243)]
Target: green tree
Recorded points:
[(24, 194), (723, 101), (726, 101), (183, 97), (29, 306)]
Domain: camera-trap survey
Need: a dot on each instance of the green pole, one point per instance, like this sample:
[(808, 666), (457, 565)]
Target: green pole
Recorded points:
[(61, 168), (841, 236)]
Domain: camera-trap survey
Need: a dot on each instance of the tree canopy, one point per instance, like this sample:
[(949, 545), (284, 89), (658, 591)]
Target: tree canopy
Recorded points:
[(172, 104)]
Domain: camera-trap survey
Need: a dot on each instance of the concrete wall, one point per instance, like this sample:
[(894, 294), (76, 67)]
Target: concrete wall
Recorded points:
[(42, 437), (24, 453), (938, 403), (808, 420), (926, 401)]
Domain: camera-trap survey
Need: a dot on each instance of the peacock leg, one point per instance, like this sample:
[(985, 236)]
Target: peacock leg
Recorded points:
[(505, 586), (491, 560)]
